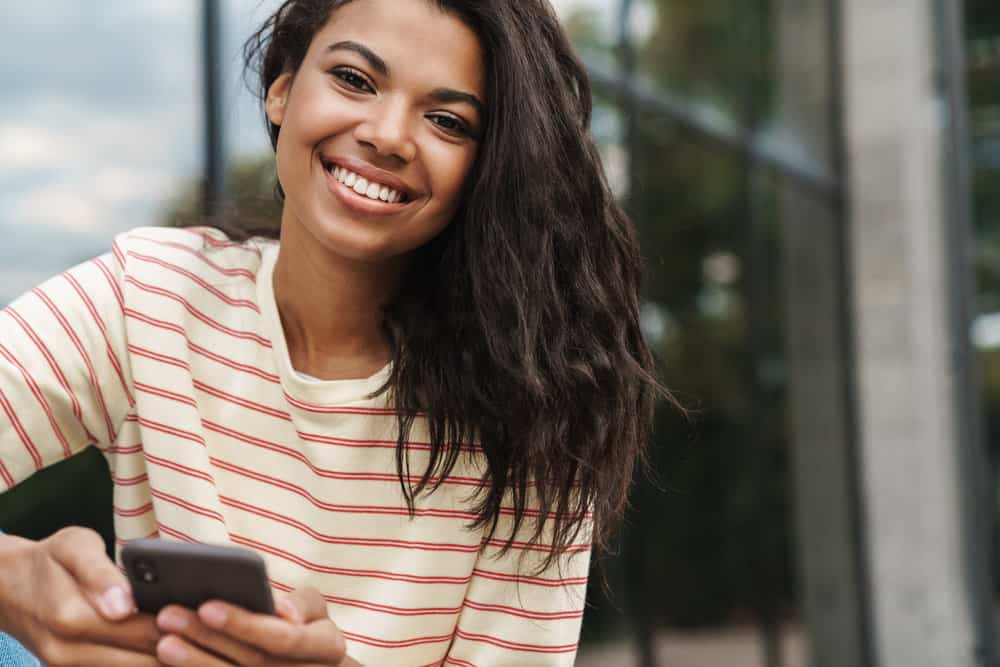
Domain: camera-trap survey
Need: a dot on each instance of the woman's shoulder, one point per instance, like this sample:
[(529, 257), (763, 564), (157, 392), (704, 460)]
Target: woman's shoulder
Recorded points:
[(205, 253)]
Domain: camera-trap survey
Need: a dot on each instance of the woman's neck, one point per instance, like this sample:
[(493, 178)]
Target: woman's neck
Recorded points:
[(331, 308)]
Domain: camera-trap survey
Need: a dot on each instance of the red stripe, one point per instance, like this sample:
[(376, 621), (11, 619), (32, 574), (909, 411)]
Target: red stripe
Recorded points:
[(119, 256), (331, 507), (535, 581), (21, 431), (156, 356), (176, 534), (152, 321), (40, 397), (309, 437), (543, 548), (109, 276), (460, 663), (382, 608), (515, 646), (338, 410), (124, 451), (398, 643), (120, 541), (245, 273), (323, 472), (129, 481), (351, 442), (160, 324), (188, 505), (7, 478), (235, 365), (163, 393), (177, 467), (170, 430), (214, 291), (278, 414), (95, 383), (56, 370), (348, 572), (242, 402), (355, 541), (137, 511), (112, 356), (524, 613), (197, 314), (441, 611), (207, 235)]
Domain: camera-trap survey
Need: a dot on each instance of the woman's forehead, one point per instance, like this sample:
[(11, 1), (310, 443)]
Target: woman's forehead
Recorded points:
[(410, 37)]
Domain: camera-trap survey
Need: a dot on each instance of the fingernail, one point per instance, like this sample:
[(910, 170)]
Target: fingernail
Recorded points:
[(213, 615), (171, 652), (170, 621), (115, 602)]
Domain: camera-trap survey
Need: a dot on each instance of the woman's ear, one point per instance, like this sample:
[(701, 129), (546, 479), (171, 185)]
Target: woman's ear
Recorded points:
[(277, 98)]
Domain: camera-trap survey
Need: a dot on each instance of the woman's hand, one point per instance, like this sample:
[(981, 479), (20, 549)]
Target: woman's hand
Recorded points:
[(68, 603), (220, 635)]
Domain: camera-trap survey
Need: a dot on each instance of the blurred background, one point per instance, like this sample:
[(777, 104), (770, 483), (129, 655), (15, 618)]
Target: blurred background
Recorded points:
[(817, 189)]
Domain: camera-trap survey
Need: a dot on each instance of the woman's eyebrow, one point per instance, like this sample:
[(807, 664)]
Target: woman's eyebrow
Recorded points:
[(450, 95), (373, 59)]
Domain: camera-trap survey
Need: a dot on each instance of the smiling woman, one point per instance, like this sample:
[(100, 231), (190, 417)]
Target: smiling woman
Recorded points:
[(421, 403)]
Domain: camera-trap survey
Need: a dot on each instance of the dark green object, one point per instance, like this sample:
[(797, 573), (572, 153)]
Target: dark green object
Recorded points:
[(75, 492)]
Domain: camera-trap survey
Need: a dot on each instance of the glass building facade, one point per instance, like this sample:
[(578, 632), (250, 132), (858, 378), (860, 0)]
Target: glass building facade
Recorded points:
[(816, 185)]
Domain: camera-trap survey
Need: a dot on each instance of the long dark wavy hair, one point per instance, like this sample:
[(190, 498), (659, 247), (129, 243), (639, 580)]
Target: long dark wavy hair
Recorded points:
[(517, 328)]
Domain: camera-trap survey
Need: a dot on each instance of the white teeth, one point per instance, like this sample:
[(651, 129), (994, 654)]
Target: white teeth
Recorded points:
[(367, 188)]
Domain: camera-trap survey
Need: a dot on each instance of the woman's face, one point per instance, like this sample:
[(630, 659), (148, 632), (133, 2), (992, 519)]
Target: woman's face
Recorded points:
[(379, 127)]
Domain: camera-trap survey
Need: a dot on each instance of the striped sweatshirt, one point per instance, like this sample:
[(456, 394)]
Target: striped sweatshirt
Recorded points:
[(169, 356)]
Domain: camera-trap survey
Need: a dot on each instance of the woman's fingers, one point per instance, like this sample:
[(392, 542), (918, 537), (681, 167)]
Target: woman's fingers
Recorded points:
[(80, 551), (177, 620), (318, 639), (65, 611), (303, 605), (60, 654)]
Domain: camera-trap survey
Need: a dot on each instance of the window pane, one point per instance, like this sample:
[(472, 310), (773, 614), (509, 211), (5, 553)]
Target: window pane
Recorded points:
[(707, 561), (983, 30), (101, 128), (101, 125)]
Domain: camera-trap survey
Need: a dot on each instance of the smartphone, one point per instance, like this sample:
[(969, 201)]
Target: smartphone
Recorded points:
[(164, 572)]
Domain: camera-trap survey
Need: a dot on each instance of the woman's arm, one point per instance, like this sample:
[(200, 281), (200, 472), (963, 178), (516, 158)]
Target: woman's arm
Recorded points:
[(64, 383)]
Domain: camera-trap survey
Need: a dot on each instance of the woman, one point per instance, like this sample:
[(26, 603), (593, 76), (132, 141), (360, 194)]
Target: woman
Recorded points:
[(422, 404)]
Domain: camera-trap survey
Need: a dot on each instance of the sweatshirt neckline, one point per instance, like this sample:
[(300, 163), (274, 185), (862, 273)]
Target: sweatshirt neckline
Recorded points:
[(311, 390)]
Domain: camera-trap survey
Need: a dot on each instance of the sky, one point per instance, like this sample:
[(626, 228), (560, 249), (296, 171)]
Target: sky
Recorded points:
[(101, 123)]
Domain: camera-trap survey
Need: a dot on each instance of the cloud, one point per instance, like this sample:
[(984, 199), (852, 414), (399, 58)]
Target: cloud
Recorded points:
[(61, 205)]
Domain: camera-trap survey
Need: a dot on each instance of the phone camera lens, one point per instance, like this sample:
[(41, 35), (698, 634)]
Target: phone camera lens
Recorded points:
[(145, 571)]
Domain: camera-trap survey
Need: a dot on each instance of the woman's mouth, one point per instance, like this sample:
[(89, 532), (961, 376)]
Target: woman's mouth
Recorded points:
[(361, 194), (362, 186)]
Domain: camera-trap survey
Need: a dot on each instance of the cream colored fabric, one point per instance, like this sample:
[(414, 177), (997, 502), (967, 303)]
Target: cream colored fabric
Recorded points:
[(168, 355)]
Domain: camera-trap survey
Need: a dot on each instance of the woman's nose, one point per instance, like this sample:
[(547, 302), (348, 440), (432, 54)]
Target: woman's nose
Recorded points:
[(388, 131)]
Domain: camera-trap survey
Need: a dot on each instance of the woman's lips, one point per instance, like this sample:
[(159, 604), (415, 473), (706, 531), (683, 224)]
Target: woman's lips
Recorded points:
[(361, 203)]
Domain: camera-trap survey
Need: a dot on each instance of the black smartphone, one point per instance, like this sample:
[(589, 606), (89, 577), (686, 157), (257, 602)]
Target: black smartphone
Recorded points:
[(164, 572)]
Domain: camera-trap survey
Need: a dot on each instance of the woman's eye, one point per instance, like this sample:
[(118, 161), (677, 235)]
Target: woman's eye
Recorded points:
[(450, 124), (353, 79)]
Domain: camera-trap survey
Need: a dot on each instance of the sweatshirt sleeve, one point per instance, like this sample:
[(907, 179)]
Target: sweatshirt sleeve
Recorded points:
[(515, 615), (64, 384)]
